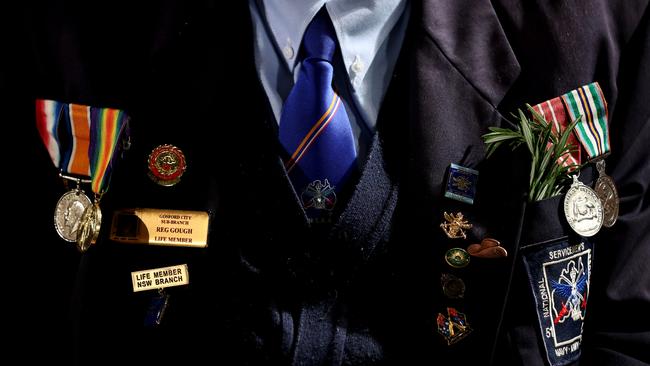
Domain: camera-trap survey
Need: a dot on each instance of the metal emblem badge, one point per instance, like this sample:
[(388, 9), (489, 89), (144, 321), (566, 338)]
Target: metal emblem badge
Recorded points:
[(319, 195), (453, 327), (608, 195), (166, 165), (455, 226), (461, 183), (488, 248), (68, 212), (583, 209), (457, 257), (452, 286)]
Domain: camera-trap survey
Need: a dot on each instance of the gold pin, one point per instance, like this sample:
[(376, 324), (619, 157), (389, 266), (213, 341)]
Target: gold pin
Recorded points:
[(455, 226)]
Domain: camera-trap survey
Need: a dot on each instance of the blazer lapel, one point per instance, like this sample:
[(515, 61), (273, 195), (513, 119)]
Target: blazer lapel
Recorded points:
[(471, 38), (462, 67)]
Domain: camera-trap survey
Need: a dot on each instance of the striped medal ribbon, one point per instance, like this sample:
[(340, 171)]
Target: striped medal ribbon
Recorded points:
[(553, 112), (81, 141), (589, 104), (64, 130), (107, 128)]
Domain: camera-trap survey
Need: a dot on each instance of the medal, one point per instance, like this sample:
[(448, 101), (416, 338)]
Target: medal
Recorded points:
[(107, 129), (81, 142), (89, 227), (68, 212), (64, 130), (589, 104), (582, 209), (608, 195)]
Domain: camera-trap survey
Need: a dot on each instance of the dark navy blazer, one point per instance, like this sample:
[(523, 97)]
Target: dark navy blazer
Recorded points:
[(271, 290)]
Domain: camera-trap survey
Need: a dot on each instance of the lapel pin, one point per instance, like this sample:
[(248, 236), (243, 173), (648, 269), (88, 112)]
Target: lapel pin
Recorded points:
[(457, 257), (453, 327), (166, 165), (461, 183), (455, 225), (488, 248)]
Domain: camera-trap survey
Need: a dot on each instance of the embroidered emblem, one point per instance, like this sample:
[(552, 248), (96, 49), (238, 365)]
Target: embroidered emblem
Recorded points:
[(559, 275), (319, 195), (454, 326), (455, 226)]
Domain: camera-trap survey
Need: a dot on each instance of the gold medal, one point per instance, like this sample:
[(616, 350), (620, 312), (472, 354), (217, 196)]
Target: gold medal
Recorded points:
[(91, 222)]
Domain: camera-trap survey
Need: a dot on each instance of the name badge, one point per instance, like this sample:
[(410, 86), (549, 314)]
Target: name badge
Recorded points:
[(159, 278), (161, 227)]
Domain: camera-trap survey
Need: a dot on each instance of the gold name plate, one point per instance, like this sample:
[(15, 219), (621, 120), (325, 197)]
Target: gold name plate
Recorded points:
[(160, 227)]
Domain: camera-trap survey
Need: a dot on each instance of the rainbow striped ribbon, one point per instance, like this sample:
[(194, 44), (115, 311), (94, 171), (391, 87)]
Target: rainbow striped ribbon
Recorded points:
[(106, 130), (589, 103), (81, 140), (553, 112)]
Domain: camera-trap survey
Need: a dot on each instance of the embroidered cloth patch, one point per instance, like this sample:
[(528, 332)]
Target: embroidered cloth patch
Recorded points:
[(559, 276)]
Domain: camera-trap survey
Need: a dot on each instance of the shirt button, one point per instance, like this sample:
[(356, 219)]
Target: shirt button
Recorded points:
[(357, 66), (287, 51)]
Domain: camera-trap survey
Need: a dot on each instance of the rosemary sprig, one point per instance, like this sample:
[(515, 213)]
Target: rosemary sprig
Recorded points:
[(548, 176)]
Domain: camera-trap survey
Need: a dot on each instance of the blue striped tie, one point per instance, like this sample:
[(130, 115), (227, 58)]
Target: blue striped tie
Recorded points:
[(314, 126)]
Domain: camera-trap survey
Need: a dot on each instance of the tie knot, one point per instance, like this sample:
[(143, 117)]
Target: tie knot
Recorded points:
[(320, 39)]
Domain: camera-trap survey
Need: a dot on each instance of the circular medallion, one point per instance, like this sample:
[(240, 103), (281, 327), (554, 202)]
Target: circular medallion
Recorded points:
[(606, 192), (457, 257), (583, 210), (166, 165), (68, 212), (91, 222), (452, 286)]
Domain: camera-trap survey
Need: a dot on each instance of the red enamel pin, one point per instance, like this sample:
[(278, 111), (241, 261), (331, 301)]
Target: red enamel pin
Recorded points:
[(166, 165)]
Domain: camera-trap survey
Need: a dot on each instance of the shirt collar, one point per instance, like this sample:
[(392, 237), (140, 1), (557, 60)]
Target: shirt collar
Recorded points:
[(361, 27)]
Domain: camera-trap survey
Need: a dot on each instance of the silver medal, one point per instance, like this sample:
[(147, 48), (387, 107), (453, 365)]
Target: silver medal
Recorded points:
[(583, 209), (608, 195), (67, 214)]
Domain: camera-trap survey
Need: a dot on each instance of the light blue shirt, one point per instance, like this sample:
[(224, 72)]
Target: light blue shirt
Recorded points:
[(370, 35)]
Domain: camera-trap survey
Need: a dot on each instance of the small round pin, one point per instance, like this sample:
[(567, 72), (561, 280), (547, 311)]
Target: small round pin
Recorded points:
[(166, 165)]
